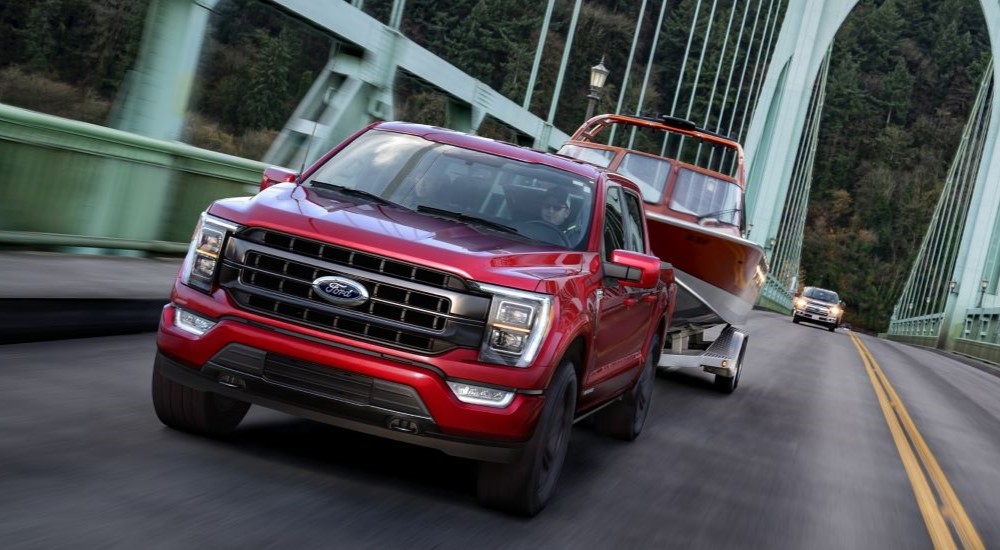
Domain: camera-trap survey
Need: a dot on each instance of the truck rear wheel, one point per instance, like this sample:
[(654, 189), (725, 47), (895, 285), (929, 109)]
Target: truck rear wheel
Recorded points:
[(525, 486), (625, 418), (190, 410)]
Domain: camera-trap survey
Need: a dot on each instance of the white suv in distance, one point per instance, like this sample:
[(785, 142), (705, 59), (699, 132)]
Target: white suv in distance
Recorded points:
[(819, 306)]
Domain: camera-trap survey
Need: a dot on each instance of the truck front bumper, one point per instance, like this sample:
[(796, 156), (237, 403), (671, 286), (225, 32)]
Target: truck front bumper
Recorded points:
[(810, 316), (344, 387)]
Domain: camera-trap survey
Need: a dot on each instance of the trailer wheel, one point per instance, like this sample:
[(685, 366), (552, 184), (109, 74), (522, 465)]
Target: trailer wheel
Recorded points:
[(727, 384), (625, 418)]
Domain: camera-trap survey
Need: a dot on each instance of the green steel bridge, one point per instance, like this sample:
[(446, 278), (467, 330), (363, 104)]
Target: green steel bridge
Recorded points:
[(135, 189)]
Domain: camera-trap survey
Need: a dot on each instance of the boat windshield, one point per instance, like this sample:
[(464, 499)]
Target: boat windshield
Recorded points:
[(706, 197), (598, 157), (649, 172)]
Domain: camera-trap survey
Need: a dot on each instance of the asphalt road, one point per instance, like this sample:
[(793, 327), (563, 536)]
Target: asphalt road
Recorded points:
[(801, 456)]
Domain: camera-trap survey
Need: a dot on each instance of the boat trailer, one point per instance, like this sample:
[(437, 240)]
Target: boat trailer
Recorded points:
[(722, 357)]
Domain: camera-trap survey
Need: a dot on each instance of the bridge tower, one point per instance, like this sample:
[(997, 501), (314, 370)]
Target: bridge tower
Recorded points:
[(786, 120), (967, 306)]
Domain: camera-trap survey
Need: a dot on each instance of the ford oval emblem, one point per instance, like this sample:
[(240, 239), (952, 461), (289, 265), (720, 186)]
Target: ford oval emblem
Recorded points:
[(341, 291)]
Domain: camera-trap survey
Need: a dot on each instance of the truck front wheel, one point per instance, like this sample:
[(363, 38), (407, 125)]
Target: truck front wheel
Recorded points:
[(525, 486), (190, 410)]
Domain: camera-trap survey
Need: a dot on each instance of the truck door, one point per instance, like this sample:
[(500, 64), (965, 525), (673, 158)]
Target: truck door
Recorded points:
[(624, 312)]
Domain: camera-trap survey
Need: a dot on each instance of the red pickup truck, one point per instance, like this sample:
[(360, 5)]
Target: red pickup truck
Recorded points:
[(426, 286)]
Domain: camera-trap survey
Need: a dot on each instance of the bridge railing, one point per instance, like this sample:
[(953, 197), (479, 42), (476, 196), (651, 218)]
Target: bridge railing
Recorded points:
[(980, 335), (73, 184), (775, 296), (922, 330)]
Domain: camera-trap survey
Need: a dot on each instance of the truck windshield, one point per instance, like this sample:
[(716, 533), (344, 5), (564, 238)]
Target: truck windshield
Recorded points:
[(822, 295), (414, 172)]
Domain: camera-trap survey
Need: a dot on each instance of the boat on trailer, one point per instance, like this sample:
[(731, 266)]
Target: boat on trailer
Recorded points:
[(693, 186)]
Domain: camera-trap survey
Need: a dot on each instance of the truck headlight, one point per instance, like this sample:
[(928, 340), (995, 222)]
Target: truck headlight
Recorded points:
[(517, 323), (800, 303), (201, 266), (834, 311)]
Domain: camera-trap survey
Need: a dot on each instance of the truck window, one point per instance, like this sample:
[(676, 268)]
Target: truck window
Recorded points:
[(614, 223), (821, 295), (370, 162), (635, 237), (414, 172)]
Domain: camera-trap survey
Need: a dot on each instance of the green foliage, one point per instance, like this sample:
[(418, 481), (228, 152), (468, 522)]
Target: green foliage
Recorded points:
[(265, 103), (41, 31), (23, 88)]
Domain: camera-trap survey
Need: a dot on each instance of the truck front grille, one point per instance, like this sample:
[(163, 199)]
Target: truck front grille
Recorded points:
[(402, 311), (387, 301), (353, 258)]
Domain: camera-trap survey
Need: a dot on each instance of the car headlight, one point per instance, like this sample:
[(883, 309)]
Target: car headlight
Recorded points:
[(834, 311), (800, 303), (517, 323), (201, 266)]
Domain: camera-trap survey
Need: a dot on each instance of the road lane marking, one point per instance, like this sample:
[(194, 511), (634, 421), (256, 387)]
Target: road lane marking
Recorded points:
[(938, 509)]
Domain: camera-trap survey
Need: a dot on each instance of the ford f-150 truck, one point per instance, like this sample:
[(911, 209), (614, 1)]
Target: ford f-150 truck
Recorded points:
[(408, 286)]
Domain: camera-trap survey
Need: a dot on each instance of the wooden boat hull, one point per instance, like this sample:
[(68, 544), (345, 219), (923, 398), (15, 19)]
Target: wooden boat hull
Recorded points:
[(719, 275)]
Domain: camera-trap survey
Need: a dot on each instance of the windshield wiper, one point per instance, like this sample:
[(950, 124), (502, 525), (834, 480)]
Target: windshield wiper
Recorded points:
[(719, 213), (357, 193), (459, 216)]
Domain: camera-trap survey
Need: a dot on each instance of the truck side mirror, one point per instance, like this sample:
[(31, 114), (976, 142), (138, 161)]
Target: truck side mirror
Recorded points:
[(275, 174), (633, 268)]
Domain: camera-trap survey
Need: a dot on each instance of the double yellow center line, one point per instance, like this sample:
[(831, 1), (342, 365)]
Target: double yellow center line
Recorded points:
[(942, 512)]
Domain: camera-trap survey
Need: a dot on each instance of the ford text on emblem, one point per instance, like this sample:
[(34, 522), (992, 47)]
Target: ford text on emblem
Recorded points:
[(341, 291)]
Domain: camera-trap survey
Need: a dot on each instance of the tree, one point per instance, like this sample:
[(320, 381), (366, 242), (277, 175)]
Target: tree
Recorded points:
[(40, 33), (265, 104)]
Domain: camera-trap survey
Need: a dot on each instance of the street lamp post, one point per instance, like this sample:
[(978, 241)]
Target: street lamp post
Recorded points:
[(598, 76)]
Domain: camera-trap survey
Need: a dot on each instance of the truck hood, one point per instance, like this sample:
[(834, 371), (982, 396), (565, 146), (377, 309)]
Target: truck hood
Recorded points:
[(470, 251)]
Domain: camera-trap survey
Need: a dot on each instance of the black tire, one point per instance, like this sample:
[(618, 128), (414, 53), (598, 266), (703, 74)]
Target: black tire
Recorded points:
[(832, 328), (726, 384), (190, 410), (795, 320), (524, 487), (625, 418)]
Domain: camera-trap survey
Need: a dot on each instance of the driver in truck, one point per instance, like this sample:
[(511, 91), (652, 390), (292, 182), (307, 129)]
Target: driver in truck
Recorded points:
[(555, 211)]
